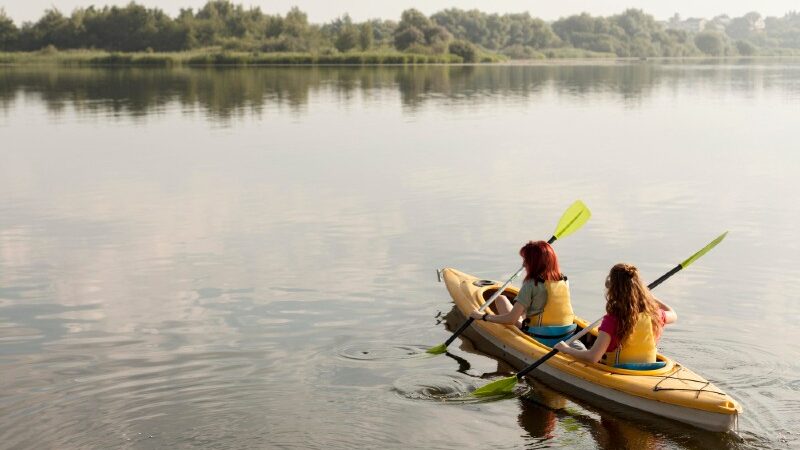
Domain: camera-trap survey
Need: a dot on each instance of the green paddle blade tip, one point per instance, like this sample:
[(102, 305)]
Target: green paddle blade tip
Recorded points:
[(704, 250), (499, 387), (437, 350), (574, 217)]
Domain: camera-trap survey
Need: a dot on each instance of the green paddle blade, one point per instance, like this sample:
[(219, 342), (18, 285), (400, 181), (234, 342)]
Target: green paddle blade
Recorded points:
[(499, 387), (437, 350), (704, 250), (574, 218)]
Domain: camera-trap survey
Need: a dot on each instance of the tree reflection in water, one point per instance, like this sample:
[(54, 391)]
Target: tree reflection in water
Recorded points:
[(225, 93)]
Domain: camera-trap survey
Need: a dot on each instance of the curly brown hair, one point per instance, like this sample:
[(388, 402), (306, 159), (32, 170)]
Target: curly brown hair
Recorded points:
[(627, 297)]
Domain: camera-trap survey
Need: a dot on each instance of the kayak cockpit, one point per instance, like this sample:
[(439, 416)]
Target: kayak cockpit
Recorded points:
[(663, 365)]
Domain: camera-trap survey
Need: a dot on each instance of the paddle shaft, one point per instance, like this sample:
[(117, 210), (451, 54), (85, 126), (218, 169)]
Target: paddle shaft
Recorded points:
[(491, 300), (553, 352)]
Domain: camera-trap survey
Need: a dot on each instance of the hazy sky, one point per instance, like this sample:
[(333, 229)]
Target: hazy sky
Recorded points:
[(325, 10)]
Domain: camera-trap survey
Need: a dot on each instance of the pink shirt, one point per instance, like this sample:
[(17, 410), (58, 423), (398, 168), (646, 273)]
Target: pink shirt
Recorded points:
[(609, 326)]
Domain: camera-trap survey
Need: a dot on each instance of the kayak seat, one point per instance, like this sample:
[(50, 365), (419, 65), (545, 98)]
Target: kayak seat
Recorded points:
[(642, 366), (551, 335)]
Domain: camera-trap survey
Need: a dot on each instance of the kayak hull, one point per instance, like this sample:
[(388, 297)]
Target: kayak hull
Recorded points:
[(674, 392)]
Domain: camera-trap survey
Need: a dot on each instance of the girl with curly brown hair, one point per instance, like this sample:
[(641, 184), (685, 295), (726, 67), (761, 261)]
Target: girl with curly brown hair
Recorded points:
[(633, 323)]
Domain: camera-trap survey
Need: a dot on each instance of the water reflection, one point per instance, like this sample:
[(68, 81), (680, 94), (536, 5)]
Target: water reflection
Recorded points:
[(268, 279), (223, 93), (538, 412), (546, 414)]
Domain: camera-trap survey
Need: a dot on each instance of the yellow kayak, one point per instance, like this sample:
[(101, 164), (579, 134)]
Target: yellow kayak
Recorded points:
[(674, 391)]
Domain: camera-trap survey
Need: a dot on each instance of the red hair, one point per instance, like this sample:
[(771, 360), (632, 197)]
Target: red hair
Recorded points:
[(540, 261)]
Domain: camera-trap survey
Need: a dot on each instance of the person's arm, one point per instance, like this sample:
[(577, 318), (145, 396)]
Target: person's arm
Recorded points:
[(593, 354), (510, 317), (670, 315)]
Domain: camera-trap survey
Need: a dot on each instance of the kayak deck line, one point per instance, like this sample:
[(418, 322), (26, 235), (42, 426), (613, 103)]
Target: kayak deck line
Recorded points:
[(674, 391), (705, 384)]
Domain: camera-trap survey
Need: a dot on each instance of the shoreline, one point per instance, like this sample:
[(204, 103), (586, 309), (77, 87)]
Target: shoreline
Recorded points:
[(92, 58), (222, 58)]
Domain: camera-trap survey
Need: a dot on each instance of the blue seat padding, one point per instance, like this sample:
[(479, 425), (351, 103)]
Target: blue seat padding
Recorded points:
[(558, 330), (551, 335), (642, 366)]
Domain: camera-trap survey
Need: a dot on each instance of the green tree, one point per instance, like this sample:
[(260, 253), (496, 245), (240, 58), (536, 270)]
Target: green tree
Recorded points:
[(383, 31), (527, 31), (410, 30), (745, 48), (407, 37), (635, 22), (738, 28), (415, 29), (710, 42), (273, 26), (437, 38), (347, 39), (131, 28), (783, 31), (632, 33), (414, 18), (53, 28), (176, 35), (681, 43), (567, 27), (298, 34), (9, 34), (347, 35), (366, 36), (466, 50), (295, 23)]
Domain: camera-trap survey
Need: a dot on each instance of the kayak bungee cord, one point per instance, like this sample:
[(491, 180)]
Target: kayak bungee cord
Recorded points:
[(672, 376)]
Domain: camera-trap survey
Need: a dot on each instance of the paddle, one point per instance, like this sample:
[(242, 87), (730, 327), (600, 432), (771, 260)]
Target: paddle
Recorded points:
[(505, 385), (572, 219)]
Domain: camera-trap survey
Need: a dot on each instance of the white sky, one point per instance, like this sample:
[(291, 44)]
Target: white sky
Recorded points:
[(324, 10)]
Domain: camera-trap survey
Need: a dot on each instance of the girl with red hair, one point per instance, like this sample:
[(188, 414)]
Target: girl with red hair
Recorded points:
[(543, 302)]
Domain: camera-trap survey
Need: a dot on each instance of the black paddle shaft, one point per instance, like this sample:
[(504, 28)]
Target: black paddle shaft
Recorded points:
[(553, 352), (672, 272), (460, 330)]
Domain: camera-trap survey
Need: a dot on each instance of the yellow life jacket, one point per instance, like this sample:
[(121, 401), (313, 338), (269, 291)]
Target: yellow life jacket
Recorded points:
[(638, 347), (558, 308)]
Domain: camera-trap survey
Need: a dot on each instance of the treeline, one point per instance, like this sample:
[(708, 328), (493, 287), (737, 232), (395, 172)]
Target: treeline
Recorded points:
[(467, 34)]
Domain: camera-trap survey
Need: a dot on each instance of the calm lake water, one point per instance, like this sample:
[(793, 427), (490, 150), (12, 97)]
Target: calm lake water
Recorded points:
[(244, 258)]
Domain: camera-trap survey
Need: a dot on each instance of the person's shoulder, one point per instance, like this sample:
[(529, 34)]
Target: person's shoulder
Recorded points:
[(561, 278), (609, 323), (533, 283)]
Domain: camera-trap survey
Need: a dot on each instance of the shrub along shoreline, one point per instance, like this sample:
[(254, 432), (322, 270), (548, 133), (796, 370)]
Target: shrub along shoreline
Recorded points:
[(213, 57), (228, 58), (219, 57)]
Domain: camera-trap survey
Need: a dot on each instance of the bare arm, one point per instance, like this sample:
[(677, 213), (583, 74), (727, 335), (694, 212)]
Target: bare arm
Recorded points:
[(669, 313), (510, 317), (593, 354)]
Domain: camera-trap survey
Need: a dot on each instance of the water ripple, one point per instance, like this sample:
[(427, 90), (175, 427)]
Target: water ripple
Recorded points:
[(441, 388), (381, 352)]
